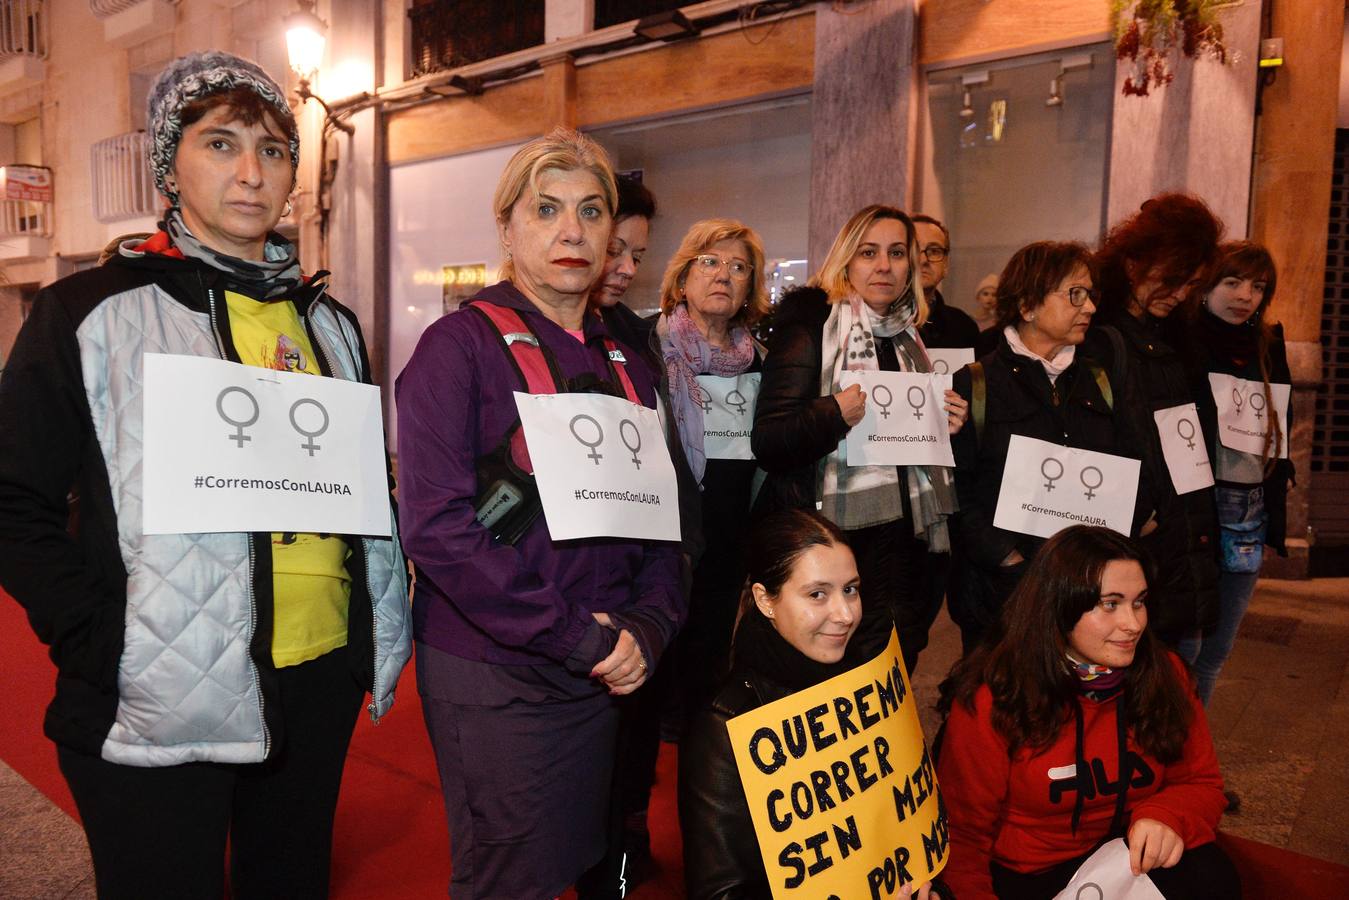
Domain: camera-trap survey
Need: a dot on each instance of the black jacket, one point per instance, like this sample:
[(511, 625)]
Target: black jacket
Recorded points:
[(1019, 400), (721, 854), (794, 427), (1200, 360), (1149, 375), (947, 326)]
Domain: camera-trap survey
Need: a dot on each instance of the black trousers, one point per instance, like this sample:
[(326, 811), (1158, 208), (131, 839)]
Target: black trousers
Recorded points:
[(890, 560), (160, 832), (1203, 873)]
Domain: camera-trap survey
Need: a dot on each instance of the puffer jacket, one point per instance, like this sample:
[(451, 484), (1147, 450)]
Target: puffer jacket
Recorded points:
[(162, 642), (1019, 400), (1151, 376)]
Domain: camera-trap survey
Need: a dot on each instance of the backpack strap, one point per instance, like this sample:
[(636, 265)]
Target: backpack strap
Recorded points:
[(1102, 382), (978, 397)]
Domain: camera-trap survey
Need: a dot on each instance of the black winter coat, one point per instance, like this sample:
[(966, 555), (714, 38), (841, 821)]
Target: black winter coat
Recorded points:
[(947, 326), (794, 427), (1019, 400), (1149, 375), (721, 854)]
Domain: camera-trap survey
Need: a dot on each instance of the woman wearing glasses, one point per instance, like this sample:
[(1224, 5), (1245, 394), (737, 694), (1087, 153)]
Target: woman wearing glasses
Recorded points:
[(1036, 383), (861, 312), (1150, 264), (712, 293)]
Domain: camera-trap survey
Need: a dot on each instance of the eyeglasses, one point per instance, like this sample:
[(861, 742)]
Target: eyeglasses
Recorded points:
[(711, 265), (1078, 296), (934, 252)]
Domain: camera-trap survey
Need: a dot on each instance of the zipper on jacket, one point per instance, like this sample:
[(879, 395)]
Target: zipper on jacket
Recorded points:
[(252, 551), (365, 545)]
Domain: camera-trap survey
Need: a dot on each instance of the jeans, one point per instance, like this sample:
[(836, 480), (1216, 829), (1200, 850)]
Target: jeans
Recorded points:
[(1241, 511)]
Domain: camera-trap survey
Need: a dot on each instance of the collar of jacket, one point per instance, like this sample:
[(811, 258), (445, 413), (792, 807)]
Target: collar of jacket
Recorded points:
[(506, 294), (1147, 336), (187, 280)]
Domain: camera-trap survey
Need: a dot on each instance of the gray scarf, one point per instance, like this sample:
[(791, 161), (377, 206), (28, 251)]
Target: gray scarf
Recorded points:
[(860, 496), (276, 275)]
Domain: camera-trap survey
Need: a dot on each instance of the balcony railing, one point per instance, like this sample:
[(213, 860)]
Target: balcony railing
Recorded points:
[(124, 185), (23, 28), (447, 34), (25, 201)]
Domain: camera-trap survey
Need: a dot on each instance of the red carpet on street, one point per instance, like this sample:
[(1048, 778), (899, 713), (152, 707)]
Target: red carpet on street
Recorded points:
[(391, 841)]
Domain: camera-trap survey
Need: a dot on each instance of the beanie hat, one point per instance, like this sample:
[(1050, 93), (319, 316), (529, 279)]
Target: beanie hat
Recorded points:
[(190, 78)]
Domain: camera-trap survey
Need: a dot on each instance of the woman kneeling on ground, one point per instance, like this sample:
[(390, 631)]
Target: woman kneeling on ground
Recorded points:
[(800, 608), (1074, 682)]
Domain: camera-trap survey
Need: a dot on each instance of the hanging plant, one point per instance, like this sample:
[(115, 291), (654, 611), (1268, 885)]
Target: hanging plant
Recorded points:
[(1148, 32)]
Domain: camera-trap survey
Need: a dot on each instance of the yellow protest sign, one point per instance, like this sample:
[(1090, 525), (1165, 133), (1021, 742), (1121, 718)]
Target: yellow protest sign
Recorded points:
[(840, 786)]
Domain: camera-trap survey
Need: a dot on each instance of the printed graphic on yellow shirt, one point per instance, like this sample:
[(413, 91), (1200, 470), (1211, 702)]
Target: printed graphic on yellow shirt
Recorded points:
[(310, 584)]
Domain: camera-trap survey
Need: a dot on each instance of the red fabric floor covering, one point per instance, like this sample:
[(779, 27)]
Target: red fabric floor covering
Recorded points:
[(391, 841)]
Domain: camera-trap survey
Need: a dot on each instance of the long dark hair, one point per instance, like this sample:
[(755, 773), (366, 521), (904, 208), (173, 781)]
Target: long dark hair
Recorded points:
[(1174, 235), (1024, 661), (777, 542)]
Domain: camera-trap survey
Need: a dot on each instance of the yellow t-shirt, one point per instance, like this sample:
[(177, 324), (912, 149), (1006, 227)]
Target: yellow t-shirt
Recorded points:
[(310, 584)]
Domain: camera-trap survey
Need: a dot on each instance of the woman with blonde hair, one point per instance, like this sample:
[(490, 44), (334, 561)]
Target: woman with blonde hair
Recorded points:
[(861, 312), (711, 295), (524, 643)]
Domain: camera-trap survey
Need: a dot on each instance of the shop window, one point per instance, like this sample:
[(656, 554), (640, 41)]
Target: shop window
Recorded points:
[(1016, 151)]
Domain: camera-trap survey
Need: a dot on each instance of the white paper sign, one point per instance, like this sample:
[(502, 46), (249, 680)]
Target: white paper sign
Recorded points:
[(1183, 447), (1106, 876), (905, 420), (1243, 419), (728, 414), (1047, 487), (601, 465), (949, 360), (229, 447)]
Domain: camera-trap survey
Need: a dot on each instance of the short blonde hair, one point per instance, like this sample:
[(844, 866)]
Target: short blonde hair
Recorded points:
[(833, 275), (561, 150), (697, 240)]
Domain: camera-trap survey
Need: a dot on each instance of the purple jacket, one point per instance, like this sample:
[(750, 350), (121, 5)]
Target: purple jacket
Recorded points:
[(476, 597)]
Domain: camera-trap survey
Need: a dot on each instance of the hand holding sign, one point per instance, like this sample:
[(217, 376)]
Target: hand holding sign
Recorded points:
[(854, 809), (1106, 875), (883, 438)]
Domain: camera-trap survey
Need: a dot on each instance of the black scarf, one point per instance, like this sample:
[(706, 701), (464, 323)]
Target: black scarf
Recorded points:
[(758, 646), (1237, 344)]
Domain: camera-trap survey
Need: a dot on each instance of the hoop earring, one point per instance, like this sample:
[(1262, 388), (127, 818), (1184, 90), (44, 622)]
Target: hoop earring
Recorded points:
[(290, 208)]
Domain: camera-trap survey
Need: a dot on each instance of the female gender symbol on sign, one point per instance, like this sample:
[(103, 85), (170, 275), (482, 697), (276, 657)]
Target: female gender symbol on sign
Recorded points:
[(941, 368), (637, 436), (599, 436), (736, 399), (1237, 400), (1044, 470), (1258, 407), (1181, 425), (1090, 491), (889, 399), (1090, 885), (922, 400), (309, 444), (239, 424)]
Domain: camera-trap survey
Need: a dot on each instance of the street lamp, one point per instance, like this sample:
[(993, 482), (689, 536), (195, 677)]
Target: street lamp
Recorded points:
[(305, 39)]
